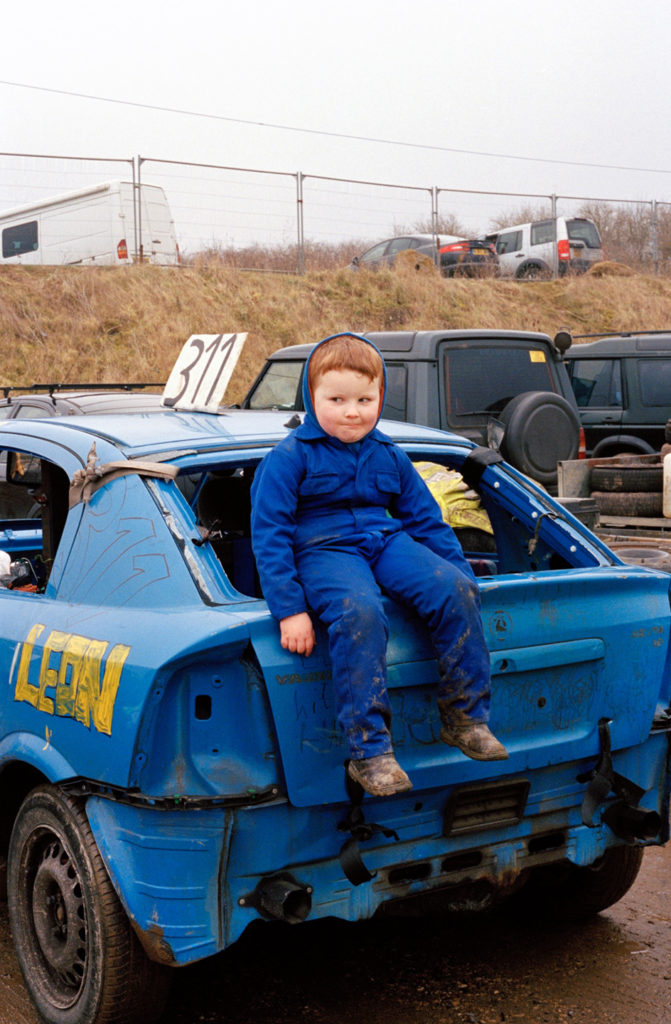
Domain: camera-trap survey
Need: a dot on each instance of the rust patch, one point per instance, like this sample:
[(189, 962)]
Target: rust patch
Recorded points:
[(154, 944)]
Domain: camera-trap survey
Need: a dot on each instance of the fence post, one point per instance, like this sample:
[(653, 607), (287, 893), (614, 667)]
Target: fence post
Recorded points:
[(139, 253), (555, 251), (135, 180), (434, 223), (654, 238), (299, 219)]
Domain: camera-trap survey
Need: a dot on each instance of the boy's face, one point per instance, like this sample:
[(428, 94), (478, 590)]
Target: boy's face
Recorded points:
[(346, 404)]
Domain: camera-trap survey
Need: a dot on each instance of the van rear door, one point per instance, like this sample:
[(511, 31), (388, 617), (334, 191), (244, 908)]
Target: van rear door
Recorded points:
[(158, 241)]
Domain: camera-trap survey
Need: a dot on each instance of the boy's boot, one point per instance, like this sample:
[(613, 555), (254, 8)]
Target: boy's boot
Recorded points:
[(379, 776), (475, 739)]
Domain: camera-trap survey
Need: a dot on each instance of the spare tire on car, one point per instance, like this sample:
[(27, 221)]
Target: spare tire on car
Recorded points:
[(541, 429)]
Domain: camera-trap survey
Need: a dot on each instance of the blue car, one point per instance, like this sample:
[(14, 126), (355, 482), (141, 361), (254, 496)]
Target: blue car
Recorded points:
[(169, 774)]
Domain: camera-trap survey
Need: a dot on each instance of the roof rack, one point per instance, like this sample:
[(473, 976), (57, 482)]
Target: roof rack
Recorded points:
[(621, 334), (6, 389)]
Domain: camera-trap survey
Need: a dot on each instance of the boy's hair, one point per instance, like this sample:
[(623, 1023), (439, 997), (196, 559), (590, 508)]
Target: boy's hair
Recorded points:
[(345, 352)]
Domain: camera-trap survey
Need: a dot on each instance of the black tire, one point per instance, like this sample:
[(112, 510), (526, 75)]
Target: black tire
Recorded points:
[(534, 272), (80, 960), (566, 892), (629, 503), (541, 429), (624, 477)]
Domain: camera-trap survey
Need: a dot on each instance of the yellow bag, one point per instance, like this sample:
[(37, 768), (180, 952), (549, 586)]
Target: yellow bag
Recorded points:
[(460, 506)]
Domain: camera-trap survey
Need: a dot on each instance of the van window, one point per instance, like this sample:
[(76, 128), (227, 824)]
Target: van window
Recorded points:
[(509, 241), (484, 380), (19, 238), (543, 231), (654, 379), (583, 231), (597, 383), (395, 398)]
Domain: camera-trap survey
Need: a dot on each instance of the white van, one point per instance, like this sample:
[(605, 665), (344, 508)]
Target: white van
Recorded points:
[(547, 248), (96, 225)]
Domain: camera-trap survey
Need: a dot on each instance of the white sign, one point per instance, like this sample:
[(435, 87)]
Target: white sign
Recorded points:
[(202, 371)]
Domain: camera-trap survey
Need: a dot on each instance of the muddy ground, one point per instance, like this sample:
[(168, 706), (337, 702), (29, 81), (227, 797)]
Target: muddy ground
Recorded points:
[(487, 968)]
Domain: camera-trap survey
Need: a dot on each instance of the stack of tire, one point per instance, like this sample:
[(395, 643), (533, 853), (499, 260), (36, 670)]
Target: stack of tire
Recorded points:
[(629, 485), (632, 486)]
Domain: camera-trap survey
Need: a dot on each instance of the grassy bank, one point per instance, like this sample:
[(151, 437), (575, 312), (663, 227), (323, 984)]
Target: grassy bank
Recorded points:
[(116, 324)]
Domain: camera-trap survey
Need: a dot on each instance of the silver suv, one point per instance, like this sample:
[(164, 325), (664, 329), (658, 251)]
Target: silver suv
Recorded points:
[(547, 248)]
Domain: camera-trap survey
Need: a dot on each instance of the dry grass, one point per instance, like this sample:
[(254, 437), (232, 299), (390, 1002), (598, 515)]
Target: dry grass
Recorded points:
[(117, 324)]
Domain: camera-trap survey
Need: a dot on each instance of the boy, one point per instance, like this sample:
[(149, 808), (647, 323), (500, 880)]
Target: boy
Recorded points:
[(340, 515)]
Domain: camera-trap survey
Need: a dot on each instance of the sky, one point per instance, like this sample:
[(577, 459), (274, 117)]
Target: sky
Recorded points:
[(531, 96)]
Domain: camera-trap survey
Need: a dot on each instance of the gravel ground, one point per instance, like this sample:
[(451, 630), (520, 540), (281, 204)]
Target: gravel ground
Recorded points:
[(485, 968)]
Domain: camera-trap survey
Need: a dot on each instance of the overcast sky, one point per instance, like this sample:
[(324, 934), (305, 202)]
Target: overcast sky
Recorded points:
[(519, 96)]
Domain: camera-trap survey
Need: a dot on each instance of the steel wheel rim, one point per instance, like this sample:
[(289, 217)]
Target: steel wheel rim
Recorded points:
[(58, 913)]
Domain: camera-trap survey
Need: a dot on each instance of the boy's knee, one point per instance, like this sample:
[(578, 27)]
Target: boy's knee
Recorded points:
[(457, 584), (361, 615)]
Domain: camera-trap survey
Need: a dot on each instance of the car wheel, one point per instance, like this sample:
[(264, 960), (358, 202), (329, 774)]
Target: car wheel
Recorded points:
[(81, 961), (541, 429), (623, 477), (534, 272), (566, 892), (629, 503)]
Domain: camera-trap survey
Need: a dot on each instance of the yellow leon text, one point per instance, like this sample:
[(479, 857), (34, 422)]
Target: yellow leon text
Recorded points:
[(77, 677)]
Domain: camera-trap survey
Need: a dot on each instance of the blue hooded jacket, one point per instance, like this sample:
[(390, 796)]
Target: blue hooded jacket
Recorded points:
[(313, 489)]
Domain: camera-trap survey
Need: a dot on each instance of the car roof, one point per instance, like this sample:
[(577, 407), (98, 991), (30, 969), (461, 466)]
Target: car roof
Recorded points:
[(420, 344), (173, 434), (624, 344), (88, 401)]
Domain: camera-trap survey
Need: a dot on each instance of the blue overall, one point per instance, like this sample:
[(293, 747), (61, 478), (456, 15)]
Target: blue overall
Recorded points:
[(334, 526)]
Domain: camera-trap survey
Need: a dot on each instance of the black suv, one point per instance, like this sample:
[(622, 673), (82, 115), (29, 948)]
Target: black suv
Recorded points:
[(622, 384), (498, 388)]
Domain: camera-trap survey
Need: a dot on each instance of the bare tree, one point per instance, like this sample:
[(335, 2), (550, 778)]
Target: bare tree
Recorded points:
[(520, 216), (626, 231)]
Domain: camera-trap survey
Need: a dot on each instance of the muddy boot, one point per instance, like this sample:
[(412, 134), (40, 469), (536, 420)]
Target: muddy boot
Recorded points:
[(475, 739), (379, 776)]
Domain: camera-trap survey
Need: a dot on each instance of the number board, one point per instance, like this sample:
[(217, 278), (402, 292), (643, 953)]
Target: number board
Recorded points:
[(202, 371)]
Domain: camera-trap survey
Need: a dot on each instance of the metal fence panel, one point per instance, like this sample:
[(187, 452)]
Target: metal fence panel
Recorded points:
[(221, 209), (291, 221)]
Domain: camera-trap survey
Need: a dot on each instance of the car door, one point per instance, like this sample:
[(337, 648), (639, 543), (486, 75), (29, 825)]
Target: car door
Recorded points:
[(598, 389), (510, 252)]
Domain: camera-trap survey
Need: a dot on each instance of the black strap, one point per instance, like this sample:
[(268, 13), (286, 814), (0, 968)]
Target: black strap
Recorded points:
[(351, 861), (476, 463), (603, 779)]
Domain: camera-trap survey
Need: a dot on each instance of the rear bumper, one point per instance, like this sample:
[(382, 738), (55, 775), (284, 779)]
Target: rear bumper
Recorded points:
[(190, 879)]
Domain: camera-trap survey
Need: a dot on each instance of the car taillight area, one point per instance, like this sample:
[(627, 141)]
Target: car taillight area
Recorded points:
[(470, 257), (564, 249), (208, 731), (456, 247)]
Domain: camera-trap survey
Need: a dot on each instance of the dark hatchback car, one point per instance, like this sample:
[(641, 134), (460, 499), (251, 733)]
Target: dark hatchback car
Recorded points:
[(456, 256), (622, 384)]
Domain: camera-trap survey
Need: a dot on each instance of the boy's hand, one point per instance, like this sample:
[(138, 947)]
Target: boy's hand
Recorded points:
[(297, 634)]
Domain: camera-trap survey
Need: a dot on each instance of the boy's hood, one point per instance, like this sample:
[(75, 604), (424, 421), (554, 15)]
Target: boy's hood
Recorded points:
[(307, 396)]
